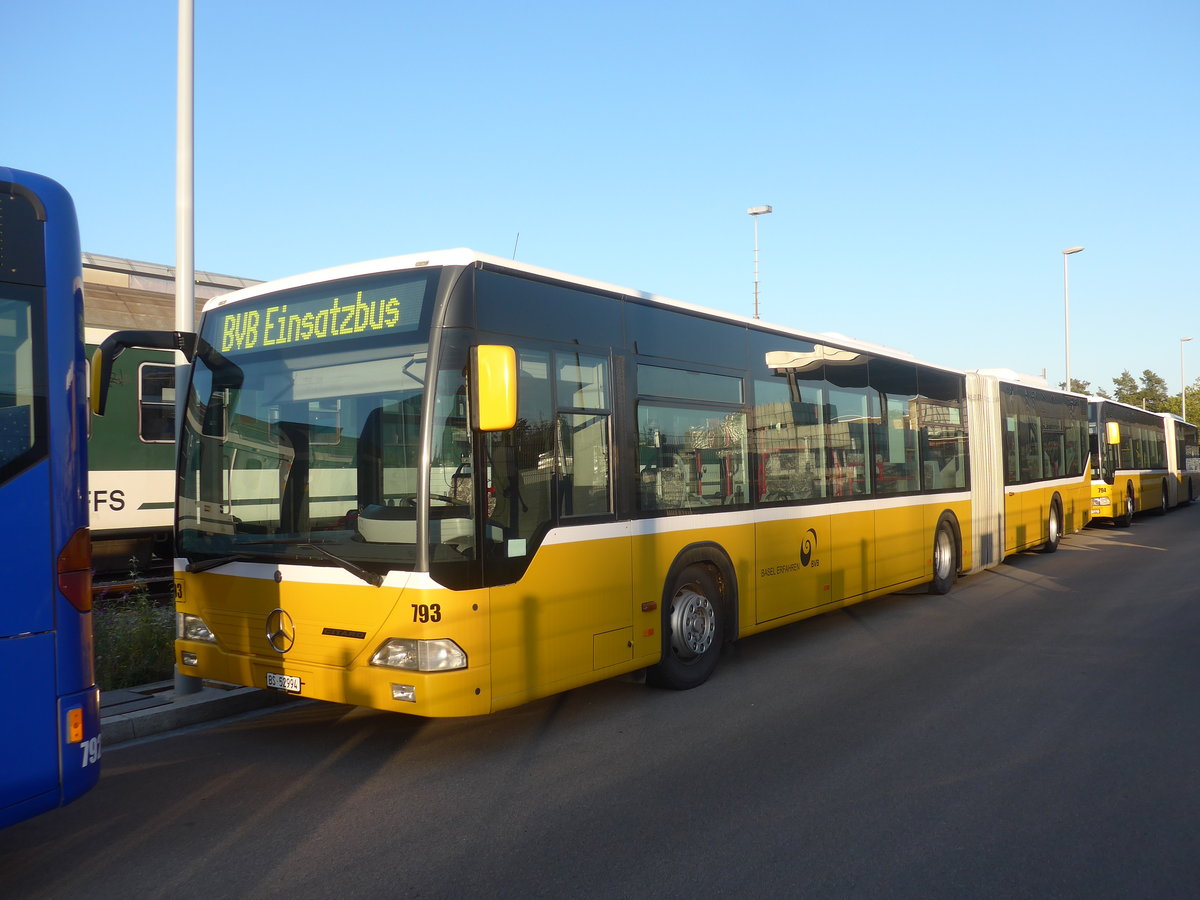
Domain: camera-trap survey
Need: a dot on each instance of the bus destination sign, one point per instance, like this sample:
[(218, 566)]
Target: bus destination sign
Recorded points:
[(305, 320)]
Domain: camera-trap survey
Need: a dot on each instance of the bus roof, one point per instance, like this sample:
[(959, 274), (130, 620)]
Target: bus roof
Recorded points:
[(462, 256)]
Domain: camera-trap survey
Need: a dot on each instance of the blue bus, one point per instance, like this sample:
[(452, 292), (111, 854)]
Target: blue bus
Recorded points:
[(49, 701)]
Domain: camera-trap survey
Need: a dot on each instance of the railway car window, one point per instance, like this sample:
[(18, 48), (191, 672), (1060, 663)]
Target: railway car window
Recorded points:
[(156, 403)]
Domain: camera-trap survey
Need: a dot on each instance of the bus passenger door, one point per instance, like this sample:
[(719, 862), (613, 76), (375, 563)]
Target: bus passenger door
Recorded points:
[(794, 564), (558, 563)]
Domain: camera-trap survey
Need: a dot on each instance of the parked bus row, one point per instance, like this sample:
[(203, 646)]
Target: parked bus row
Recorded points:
[(448, 484), (1140, 461)]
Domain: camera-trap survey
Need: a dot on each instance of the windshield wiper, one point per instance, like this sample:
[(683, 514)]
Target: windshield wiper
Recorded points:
[(356, 570), (203, 565)]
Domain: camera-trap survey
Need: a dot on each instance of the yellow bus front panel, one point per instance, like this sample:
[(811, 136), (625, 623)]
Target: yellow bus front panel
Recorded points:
[(311, 647)]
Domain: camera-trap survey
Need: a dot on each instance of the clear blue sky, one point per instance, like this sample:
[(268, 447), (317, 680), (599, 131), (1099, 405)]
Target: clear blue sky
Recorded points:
[(927, 161)]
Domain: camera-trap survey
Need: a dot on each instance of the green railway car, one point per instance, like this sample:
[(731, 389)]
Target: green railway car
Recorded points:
[(131, 453), (131, 450)]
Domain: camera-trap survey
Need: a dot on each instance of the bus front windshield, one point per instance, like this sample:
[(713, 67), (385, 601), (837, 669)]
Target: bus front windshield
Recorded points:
[(303, 443)]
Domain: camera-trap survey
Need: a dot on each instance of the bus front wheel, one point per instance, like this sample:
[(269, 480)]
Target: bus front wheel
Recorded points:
[(1126, 519), (692, 631)]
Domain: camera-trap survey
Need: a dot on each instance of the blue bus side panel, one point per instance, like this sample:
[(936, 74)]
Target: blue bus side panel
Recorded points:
[(29, 755), (27, 560)]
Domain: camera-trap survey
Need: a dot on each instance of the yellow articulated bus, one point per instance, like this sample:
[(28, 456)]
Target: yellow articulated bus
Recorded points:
[(1042, 476), (448, 484), (1131, 472), (1183, 460)]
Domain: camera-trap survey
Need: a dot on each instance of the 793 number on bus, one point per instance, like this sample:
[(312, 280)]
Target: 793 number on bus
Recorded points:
[(427, 612)]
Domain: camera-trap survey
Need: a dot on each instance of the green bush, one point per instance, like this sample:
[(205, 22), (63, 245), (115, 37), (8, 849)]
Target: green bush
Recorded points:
[(134, 639)]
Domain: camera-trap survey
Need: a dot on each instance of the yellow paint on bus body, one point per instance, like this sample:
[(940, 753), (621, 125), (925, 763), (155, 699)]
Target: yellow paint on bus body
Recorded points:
[(585, 610)]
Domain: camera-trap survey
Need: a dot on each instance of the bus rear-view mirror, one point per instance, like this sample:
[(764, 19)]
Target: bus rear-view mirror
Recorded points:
[(493, 387)]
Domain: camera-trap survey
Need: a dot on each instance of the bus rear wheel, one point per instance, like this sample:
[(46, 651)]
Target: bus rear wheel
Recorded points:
[(692, 631), (1053, 528), (945, 561)]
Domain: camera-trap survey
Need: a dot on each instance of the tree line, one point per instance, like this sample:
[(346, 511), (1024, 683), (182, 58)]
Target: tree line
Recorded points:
[(1150, 392)]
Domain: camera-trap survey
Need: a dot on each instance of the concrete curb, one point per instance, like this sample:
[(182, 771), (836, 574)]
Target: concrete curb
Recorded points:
[(154, 708)]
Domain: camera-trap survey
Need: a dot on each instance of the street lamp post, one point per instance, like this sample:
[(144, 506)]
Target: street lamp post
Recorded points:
[(1182, 382), (755, 212), (1067, 311)]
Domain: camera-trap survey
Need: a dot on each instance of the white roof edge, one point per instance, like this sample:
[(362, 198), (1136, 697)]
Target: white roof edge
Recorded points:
[(1012, 376), (464, 256), (1099, 399)]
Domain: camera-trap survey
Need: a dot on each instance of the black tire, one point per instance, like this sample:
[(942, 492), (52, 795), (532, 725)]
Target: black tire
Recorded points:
[(1162, 503), (1126, 519), (1053, 527), (692, 631), (945, 559)]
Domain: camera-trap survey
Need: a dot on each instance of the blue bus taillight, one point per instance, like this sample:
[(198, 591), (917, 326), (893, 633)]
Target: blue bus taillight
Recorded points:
[(75, 733), (75, 570)]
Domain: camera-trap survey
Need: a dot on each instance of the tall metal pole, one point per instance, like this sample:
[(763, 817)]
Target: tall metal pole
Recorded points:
[(755, 212), (185, 274), (1182, 381), (185, 266), (1067, 313), (756, 267)]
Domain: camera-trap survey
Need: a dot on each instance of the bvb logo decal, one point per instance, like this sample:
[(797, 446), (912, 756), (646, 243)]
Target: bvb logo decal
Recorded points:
[(807, 546)]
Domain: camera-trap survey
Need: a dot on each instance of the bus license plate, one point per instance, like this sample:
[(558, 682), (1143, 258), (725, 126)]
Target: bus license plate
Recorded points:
[(289, 683)]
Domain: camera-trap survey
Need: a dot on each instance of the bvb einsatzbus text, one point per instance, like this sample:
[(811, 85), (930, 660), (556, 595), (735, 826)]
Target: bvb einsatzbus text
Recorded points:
[(276, 327)]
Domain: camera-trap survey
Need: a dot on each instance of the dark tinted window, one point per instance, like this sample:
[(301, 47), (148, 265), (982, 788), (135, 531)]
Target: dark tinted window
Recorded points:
[(894, 434), (659, 381), (942, 431), (22, 380), (673, 334), (22, 251), (508, 304), (22, 338)]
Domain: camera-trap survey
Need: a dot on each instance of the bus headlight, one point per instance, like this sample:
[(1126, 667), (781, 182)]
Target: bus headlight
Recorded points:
[(1101, 501), (422, 656), (192, 628)]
